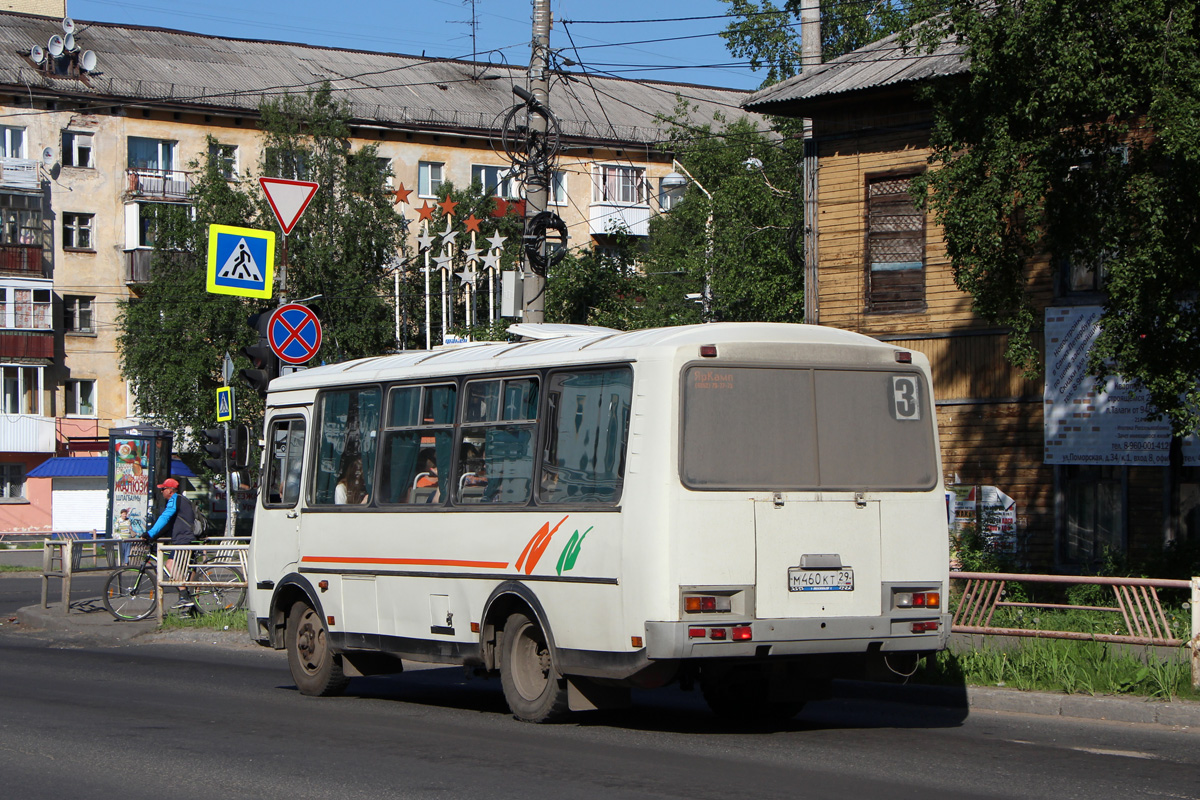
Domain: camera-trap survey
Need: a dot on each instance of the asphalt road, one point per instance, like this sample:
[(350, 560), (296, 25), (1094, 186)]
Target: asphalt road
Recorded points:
[(167, 718)]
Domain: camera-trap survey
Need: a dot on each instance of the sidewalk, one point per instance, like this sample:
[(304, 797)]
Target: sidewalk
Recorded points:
[(89, 621)]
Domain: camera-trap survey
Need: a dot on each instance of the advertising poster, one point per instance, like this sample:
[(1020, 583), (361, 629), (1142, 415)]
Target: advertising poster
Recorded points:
[(132, 487), (990, 508), (1091, 422)]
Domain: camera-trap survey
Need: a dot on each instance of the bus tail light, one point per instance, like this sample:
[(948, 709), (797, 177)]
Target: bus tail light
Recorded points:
[(917, 599), (708, 351), (741, 633), (923, 627), (697, 633), (706, 604), (716, 633)]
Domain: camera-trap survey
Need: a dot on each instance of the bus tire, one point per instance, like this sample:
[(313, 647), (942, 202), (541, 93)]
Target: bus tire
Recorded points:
[(533, 690), (316, 669), (742, 695)]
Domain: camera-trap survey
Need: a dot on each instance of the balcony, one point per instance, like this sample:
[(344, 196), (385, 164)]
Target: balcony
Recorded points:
[(137, 265), (24, 433), (158, 184), (26, 344), (19, 173), (25, 259), (606, 218)]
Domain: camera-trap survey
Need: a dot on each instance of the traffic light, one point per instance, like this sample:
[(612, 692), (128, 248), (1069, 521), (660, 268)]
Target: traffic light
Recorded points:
[(214, 445), (265, 364), (239, 445)]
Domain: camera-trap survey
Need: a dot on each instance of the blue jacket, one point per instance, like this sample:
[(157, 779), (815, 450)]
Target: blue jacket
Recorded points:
[(175, 522)]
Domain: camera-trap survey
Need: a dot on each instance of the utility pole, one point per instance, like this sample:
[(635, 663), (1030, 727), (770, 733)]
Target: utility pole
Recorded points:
[(810, 56), (537, 185)]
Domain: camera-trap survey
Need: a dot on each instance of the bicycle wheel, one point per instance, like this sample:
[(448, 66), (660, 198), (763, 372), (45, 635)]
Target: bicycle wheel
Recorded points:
[(129, 593), (217, 598)]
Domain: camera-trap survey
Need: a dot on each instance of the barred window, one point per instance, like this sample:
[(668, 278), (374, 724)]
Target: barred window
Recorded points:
[(895, 246)]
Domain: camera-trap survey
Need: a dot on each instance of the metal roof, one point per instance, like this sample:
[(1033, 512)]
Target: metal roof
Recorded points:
[(90, 467), (886, 62), (160, 66)]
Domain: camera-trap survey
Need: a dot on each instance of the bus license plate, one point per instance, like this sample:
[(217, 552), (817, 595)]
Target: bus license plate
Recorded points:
[(820, 580)]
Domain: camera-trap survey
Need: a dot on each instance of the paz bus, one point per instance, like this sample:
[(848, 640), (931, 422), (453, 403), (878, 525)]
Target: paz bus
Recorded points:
[(749, 508)]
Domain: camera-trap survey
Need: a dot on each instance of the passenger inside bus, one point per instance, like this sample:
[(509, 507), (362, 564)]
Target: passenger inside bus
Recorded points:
[(351, 488), (425, 485)]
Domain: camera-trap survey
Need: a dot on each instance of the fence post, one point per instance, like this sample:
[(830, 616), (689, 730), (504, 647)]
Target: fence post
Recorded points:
[(1195, 633), (68, 563), (158, 587), (47, 561)]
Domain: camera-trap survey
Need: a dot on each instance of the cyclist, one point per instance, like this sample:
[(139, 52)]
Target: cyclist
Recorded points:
[(175, 522)]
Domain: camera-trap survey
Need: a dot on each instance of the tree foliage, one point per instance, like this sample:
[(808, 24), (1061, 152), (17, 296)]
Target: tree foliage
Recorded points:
[(1077, 134), (174, 335), (769, 34)]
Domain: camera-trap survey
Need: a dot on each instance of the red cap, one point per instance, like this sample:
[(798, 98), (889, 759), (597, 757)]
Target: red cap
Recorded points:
[(169, 483)]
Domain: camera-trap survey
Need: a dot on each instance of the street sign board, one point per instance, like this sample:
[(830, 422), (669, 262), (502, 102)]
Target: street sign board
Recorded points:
[(241, 261), (295, 333), (288, 199), (224, 404)]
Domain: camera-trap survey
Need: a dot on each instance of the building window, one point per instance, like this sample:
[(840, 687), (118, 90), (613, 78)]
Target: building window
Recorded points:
[(291, 165), (20, 219), (77, 314), (429, 178), (384, 167), (76, 149), (143, 220), (669, 195), (619, 185), (151, 154), (895, 246), (29, 309), (12, 482), (13, 141), (496, 181), (77, 231), (81, 398), (558, 188), (22, 389), (225, 158), (1094, 502)]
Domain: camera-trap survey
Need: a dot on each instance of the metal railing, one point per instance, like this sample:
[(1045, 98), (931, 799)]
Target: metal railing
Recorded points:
[(229, 552), (73, 553), (1137, 602)]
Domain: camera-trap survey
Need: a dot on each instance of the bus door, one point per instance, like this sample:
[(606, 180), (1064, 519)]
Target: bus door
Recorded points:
[(276, 540)]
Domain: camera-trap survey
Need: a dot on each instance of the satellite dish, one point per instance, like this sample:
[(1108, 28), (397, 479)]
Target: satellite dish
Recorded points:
[(87, 60), (68, 25), (56, 45), (48, 157), (37, 54), (70, 43)]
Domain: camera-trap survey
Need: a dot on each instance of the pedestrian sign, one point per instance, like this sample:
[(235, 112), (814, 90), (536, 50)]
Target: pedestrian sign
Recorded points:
[(225, 404), (241, 261)]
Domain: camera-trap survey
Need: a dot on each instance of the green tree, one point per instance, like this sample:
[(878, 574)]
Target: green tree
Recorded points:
[(769, 34), (174, 335), (1077, 133)]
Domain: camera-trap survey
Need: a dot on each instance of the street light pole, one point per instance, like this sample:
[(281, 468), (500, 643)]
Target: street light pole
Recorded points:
[(706, 306)]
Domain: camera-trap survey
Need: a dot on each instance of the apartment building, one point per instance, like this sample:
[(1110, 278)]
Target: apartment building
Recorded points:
[(99, 135)]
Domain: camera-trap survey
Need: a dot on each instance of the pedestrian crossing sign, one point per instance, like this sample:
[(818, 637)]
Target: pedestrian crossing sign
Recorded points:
[(241, 261), (224, 403)]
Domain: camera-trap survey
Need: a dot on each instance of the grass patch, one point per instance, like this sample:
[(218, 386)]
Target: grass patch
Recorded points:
[(1069, 667), (217, 621), (18, 568)]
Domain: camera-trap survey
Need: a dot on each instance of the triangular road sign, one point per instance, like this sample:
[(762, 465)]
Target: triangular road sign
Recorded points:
[(288, 199)]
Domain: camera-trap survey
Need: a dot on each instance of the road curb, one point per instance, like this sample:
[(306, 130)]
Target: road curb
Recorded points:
[(1175, 713)]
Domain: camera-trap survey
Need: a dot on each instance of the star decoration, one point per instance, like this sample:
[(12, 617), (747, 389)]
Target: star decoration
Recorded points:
[(468, 275), (472, 224), (443, 261), (501, 207), (404, 224), (497, 241), (492, 260), (471, 253), (448, 236), (425, 240), (447, 207), (401, 195), (426, 211)]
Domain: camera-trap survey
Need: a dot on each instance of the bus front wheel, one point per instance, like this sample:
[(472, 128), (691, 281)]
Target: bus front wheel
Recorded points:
[(316, 669), (532, 688)]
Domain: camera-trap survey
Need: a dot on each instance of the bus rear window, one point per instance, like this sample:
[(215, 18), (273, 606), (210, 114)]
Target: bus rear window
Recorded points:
[(749, 428)]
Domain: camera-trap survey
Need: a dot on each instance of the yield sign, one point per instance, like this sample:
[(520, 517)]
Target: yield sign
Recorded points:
[(288, 199), (295, 333)]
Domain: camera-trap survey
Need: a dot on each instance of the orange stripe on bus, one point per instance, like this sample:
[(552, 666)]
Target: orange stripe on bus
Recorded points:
[(412, 562)]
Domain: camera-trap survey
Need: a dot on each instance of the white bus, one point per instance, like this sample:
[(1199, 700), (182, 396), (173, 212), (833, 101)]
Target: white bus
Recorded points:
[(751, 508)]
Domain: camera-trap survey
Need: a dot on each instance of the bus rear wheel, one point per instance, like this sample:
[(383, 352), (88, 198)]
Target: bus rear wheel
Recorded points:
[(532, 688), (316, 669)]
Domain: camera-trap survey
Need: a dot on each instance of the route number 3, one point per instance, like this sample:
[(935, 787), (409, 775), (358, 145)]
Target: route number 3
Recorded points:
[(906, 398)]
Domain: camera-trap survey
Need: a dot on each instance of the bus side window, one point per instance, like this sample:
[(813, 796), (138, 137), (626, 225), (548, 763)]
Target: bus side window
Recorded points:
[(496, 452), (583, 460), (286, 462), (417, 444), (348, 420)]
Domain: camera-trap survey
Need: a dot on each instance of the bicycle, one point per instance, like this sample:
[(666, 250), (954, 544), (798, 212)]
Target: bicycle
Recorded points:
[(129, 593)]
